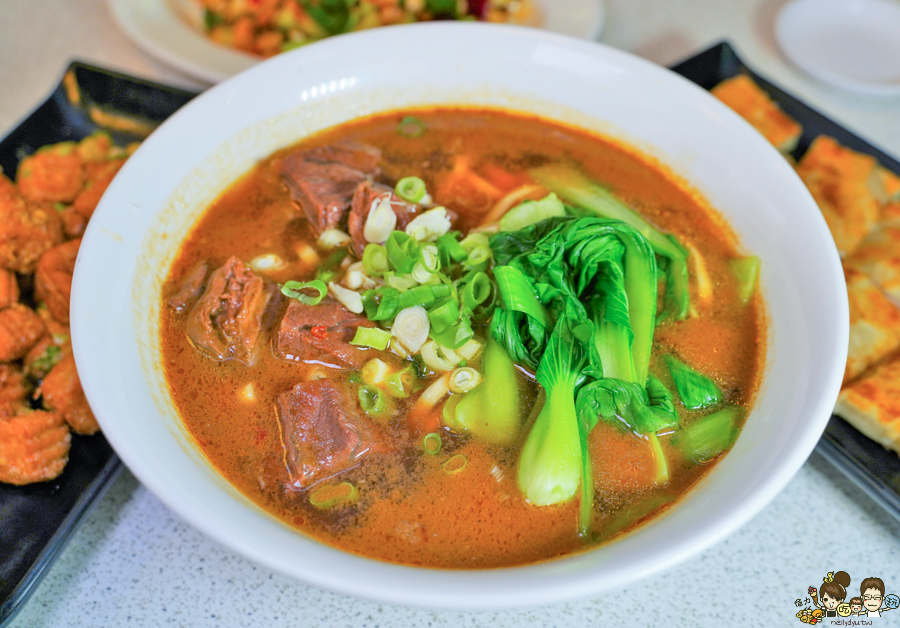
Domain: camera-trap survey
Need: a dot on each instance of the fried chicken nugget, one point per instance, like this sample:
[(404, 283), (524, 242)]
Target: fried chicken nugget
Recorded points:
[(34, 447), (100, 176), (62, 392), (53, 175), (53, 278), (14, 390), (26, 231), (9, 288), (20, 329)]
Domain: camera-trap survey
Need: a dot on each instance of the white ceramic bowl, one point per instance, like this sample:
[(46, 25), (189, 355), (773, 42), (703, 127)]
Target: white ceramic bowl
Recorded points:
[(196, 154)]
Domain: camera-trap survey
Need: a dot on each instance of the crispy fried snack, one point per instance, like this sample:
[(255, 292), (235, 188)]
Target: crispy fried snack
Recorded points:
[(34, 447), (753, 104), (26, 230), (20, 329), (52, 174), (14, 390), (874, 324), (872, 405), (841, 182), (9, 288), (53, 278), (62, 392)]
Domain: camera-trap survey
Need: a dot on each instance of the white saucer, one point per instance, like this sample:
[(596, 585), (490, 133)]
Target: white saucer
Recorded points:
[(854, 44), (164, 29)]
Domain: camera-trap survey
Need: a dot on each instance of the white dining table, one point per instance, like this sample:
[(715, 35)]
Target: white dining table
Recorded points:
[(133, 562)]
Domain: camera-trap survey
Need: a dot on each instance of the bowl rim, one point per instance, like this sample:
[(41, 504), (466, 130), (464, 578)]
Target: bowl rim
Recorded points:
[(556, 575)]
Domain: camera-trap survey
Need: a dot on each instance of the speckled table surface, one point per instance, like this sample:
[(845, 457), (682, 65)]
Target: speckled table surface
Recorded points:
[(134, 563)]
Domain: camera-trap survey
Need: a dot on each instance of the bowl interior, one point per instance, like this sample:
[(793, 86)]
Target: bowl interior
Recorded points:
[(184, 165)]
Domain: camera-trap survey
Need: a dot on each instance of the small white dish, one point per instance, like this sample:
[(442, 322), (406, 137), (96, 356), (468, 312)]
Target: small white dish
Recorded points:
[(165, 29), (853, 44)]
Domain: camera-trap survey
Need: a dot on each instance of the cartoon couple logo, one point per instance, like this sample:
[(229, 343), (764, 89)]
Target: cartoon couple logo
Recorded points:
[(872, 601)]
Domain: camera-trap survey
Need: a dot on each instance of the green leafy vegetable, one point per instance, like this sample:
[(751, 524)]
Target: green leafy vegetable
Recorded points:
[(696, 390), (573, 186), (492, 410), (713, 434), (530, 212), (578, 300), (746, 271)]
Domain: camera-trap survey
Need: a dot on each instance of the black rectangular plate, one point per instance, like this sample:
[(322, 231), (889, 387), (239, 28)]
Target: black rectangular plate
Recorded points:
[(37, 521), (870, 466)]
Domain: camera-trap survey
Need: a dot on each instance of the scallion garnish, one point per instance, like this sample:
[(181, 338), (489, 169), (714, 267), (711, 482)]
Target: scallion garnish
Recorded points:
[(294, 290), (372, 400), (375, 260), (411, 126), (455, 464), (431, 444), (410, 189), (371, 337)]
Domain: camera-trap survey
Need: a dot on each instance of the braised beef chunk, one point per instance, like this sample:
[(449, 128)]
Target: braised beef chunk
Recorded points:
[(323, 180), (191, 288), (320, 334), (364, 196), (230, 318), (323, 432)]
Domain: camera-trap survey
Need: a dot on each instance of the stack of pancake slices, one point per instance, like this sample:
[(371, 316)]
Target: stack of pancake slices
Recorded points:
[(860, 200)]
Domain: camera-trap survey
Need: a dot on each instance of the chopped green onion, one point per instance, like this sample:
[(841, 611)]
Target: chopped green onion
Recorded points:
[(455, 464), (400, 383), (464, 379), (410, 189), (372, 400), (430, 258), (456, 335), (411, 126), (438, 357), (350, 299), (374, 371), (420, 274), (450, 249), (432, 443), (479, 257), (375, 260), (381, 221), (476, 291), (327, 497), (402, 251), (420, 295), (371, 337), (470, 349), (411, 328), (267, 262), (429, 226), (332, 239), (444, 315), (293, 290)]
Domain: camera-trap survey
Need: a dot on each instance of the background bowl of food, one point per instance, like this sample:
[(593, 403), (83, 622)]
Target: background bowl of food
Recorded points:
[(460, 315)]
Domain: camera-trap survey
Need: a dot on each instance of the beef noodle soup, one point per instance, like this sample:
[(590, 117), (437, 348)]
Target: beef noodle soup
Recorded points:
[(462, 338)]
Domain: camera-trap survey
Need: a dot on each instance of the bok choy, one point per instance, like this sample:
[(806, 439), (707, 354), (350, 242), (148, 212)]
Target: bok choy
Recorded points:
[(578, 301), (573, 186)]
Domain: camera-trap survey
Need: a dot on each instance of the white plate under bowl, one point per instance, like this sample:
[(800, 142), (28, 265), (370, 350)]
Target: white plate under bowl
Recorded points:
[(165, 29), (853, 44), (135, 233)]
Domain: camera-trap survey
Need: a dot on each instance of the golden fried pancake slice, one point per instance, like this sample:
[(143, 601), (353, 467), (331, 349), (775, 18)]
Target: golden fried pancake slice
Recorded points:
[(888, 185), (840, 181), (891, 212), (874, 324), (878, 256), (872, 405), (753, 104)]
